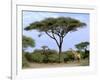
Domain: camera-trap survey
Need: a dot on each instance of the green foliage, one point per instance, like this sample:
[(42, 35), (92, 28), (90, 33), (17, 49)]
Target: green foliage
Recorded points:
[(50, 56), (68, 56), (27, 42), (45, 59), (37, 57), (38, 51), (28, 56), (53, 58), (25, 63), (82, 46), (67, 24), (85, 55), (48, 51)]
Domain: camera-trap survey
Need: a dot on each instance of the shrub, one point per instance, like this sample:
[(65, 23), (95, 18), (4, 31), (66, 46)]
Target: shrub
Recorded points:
[(24, 61), (45, 59), (85, 55), (68, 56), (38, 51), (37, 57), (50, 56), (28, 56), (53, 58)]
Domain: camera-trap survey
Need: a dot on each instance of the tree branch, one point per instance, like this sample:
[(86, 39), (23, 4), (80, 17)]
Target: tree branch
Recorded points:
[(53, 37), (49, 35)]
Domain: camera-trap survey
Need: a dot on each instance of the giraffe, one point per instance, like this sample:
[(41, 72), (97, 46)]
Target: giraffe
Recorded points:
[(77, 55)]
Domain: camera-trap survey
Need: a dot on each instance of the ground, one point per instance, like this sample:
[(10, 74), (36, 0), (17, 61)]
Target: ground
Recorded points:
[(51, 65)]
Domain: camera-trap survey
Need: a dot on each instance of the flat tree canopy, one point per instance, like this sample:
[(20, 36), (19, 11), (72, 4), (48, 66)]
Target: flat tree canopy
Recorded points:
[(82, 45), (56, 25)]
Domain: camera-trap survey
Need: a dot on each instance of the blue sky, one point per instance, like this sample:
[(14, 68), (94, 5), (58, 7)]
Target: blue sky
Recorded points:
[(71, 38)]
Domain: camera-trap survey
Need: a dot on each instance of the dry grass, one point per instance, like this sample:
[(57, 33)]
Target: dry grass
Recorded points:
[(54, 65)]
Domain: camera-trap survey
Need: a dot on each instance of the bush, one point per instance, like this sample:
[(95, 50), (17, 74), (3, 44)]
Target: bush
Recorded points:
[(38, 51), (68, 56), (50, 56), (42, 58), (28, 56), (24, 61), (37, 57), (85, 55), (53, 58), (45, 59)]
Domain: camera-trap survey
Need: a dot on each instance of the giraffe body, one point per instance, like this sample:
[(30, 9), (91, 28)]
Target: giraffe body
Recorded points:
[(77, 55)]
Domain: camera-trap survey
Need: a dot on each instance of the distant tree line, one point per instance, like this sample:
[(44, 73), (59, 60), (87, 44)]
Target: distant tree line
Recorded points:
[(52, 56)]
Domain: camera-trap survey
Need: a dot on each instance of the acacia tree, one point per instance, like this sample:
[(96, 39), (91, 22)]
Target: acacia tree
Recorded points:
[(82, 46), (56, 28), (44, 47), (27, 42)]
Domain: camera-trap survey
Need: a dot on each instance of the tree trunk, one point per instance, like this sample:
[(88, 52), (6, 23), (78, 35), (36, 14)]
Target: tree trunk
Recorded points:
[(60, 50)]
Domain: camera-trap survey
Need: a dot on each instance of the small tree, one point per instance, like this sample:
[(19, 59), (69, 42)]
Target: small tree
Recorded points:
[(45, 53), (27, 42), (82, 46), (57, 28), (44, 48)]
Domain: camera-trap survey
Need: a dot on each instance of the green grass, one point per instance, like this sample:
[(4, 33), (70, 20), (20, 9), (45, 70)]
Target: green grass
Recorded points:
[(84, 62)]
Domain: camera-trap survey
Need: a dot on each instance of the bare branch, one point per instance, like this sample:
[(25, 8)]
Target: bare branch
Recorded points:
[(49, 35), (53, 37)]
